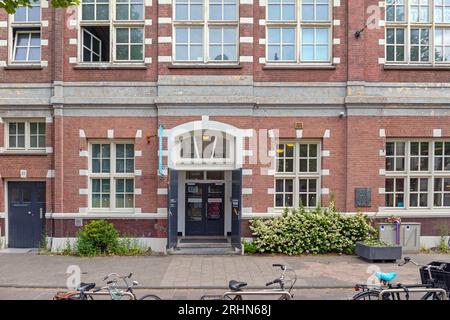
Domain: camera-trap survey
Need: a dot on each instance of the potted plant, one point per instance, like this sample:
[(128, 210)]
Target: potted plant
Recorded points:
[(375, 249)]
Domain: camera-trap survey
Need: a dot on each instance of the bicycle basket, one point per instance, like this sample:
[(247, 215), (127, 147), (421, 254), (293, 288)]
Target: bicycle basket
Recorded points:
[(442, 278), (116, 294)]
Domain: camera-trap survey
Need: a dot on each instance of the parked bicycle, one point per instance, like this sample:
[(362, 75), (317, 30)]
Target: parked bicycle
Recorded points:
[(433, 288), (87, 291), (287, 279)]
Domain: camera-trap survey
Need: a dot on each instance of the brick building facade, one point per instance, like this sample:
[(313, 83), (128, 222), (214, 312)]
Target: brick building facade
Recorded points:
[(248, 105)]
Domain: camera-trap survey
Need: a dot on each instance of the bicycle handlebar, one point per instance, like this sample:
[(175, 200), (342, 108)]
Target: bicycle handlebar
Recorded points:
[(282, 266)]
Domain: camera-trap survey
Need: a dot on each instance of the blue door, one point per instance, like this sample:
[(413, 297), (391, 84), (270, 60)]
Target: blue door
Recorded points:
[(26, 210)]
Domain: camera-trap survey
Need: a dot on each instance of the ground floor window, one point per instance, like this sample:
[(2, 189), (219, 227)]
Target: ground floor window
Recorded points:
[(111, 174), (297, 174), (418, 174)]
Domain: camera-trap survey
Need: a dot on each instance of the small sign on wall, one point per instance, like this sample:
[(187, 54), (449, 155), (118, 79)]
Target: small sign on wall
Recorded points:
[(23, 173), (78, 222), (363, 197)]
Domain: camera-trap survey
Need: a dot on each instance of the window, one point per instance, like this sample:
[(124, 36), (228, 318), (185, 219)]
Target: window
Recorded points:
[(121, 23), (29, 14), (284, 193), (129, 44), (95, 10), (297, 177), (395, 44), (25, 135), (417, 174), (442, 156), (92, 50), (395, 156), (26, 34), (395, 192), (299, 31), (417, 31), (419, 156), (395, 10), (418, 192), (111, 175), (206, 31), (130, 10)]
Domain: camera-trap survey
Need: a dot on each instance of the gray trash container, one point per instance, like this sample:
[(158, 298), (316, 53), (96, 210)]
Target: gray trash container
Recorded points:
[(387, 232), (410, 236)]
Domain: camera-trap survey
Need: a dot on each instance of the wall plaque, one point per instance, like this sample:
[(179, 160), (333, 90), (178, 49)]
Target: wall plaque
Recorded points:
[(363, 197)]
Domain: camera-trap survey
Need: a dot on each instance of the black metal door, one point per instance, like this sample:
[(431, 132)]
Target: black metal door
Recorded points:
[(26, 210), (204, 209), (172, 210), (214, 194), (236, 208)]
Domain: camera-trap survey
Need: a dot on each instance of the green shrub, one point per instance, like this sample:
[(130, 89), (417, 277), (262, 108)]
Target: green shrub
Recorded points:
[(317, 231), (249, 247), (97, 237)]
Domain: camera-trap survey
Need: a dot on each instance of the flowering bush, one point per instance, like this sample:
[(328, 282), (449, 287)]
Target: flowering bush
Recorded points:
[(317, 231)]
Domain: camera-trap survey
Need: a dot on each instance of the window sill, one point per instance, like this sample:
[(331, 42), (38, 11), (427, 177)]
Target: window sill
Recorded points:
[(109, 66), (274, 66), (24, 153), (415, 67), (204, 66), (24, 66)]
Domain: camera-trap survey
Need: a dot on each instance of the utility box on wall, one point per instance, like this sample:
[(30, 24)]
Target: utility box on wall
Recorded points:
[(410, 237)]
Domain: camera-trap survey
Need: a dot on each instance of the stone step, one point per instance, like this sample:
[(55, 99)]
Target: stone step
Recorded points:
[(204, 245), (205, 251)]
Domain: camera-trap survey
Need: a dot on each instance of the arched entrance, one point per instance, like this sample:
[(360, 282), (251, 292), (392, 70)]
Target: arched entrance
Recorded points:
[(205, 180)]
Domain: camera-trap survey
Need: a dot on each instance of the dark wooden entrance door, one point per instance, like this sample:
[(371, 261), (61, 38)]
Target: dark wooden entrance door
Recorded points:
[(26, 210), (205, 209)]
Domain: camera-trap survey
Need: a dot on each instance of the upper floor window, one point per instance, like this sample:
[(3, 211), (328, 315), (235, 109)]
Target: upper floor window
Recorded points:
[(206, 31), (112, 32), (297, 175), (26, 34), (417, 31), (25, 135), (30, 13), (299, 31)]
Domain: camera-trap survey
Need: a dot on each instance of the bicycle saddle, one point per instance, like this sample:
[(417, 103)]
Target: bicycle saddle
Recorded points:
[(86, 286), (388, 277), (236, 285)]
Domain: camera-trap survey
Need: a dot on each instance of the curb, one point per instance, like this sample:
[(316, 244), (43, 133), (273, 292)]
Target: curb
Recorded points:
[(14, 286)]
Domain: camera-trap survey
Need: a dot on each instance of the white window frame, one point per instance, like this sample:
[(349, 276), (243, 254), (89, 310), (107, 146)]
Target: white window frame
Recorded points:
[(33, 27), (299, 24), (407, 25), (205, 24), (129, 44), (396, 157), (408, 174), (92, 52), (29, 46), (36, 3), (27, 123), (112, 176), (113, 24), (296, 175)]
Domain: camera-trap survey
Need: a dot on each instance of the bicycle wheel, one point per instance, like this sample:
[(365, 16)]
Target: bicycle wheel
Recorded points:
[(150, 297), (368, 295)]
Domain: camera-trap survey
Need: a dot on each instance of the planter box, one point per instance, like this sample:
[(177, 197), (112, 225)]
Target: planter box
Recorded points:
[(373, 253)]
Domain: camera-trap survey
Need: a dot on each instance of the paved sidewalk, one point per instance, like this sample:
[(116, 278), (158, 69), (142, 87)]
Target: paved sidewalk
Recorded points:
[(32, 270)]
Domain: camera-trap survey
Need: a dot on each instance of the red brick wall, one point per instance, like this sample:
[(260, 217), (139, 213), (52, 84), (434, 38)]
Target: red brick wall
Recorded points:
[(68, 198), (143, 228)]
